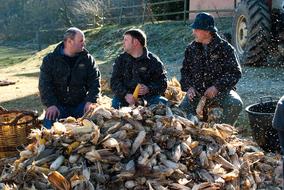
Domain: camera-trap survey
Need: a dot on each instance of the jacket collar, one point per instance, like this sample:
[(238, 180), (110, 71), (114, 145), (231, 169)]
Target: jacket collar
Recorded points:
[(145, 55), (216, 39)]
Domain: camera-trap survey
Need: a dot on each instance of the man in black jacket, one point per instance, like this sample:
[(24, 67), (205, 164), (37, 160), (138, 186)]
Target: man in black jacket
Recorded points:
[(137, 66), (69, 79), (278, 122), (211, 69)]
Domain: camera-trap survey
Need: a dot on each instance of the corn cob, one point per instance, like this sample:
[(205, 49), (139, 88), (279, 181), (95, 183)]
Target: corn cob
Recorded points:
[(136, 91)]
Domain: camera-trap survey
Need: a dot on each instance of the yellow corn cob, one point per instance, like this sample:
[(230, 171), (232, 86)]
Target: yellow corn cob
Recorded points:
[(194, 144), (39, 139), (136, 91), (72, 146), (42, 141)]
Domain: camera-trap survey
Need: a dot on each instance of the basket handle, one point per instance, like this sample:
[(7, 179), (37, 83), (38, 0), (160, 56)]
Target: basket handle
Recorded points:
[(33, 114), (261, 99)]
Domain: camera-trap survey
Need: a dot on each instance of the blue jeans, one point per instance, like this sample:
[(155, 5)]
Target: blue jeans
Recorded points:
[(229, 101), (118, 103), (66, 111)]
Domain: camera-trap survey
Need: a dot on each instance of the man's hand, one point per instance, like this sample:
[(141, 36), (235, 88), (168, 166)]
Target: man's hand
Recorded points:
[(52, 113), (191, 93), (211, 92), (130, 99), (88, 106), (143, 90)]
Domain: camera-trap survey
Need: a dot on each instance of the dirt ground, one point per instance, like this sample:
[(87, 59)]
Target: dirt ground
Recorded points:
[(23, 94)]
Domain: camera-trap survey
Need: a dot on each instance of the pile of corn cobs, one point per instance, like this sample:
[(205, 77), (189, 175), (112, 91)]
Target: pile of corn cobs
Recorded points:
[(140, 148)]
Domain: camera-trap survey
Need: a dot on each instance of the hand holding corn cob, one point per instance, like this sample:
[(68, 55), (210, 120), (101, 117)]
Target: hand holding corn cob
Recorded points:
[(136, 92)]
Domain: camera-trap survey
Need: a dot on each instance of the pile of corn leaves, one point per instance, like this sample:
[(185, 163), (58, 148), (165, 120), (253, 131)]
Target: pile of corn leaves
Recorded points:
[(140, 148)]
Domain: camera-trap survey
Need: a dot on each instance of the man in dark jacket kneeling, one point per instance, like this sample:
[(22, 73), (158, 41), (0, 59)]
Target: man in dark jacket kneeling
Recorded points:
[(278, 121), (69, 79), (137, 66), (211, 69)]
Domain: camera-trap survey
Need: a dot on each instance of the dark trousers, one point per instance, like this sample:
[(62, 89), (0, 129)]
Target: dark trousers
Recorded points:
[(66, 111), (229, 101)]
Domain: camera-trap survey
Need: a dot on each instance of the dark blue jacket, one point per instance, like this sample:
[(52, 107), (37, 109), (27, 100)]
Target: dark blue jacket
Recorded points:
[(61, 85), (217, 66), (129, 71)]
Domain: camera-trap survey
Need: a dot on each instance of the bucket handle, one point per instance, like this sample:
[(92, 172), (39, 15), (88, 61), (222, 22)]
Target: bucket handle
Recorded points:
[(262, 99)]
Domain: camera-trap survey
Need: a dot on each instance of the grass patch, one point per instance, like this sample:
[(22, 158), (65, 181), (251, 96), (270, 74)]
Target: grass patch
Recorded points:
[(12, 55)]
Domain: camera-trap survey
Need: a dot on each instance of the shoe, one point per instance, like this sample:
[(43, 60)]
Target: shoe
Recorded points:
[(193, 118)]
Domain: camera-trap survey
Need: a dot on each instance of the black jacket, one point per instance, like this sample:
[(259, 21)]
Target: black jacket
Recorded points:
[(278, 119), (61, 85), (217, 66), (128, 72)]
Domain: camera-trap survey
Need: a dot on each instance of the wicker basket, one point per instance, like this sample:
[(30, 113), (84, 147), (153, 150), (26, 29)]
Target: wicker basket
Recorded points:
[(15, 126)]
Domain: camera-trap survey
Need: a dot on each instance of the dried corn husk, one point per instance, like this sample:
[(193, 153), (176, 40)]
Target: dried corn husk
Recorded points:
[(58, 181), (142, 148)]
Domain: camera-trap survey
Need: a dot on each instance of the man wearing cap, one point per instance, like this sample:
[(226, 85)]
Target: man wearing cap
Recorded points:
[(211, 69), (69, 80), (136, 65)]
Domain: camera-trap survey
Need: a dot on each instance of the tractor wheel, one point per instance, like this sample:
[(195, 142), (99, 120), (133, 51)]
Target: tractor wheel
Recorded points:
[(251, 32)]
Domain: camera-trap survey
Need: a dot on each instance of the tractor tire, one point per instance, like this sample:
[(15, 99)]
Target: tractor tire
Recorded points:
[(251, 34)]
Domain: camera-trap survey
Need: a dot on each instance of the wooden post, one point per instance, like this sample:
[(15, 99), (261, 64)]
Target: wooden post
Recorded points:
[(120, 15), (103, 16), (184, 11), (144, 10), (188, 9)]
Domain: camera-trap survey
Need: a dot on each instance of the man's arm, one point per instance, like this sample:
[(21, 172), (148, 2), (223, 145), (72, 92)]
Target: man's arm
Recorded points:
[(116, 81), (186, 72), (158, 84), (46, 87), (231, 71), (93, 82), (278, 119)]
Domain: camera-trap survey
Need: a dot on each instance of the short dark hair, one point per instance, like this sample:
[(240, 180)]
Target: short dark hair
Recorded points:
[(139, 35), (71, 33)]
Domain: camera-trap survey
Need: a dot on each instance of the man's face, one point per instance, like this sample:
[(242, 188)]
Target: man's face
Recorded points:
[(78, 43), (200, 35), (128, 43)]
